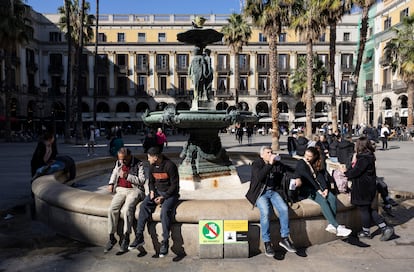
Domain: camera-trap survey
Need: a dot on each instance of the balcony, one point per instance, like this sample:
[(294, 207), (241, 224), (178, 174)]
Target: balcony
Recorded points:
[(223, 94), (163, 69), (181, 69), (223, 69), (284, 69), (347, 68), (142, 69), (55, 69), (262, 69), (122, 69), (244, 69)]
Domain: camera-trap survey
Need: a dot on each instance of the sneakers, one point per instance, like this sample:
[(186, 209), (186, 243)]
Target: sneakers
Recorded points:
[(110, 244), (364, 235), (164, 249), (269, 252), (387, 233), (343, 231), (287, 244), (139, 241), (125, 243), (330, 228)]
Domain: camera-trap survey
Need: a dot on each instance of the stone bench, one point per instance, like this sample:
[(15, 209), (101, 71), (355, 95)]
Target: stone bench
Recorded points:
[(82, 215)]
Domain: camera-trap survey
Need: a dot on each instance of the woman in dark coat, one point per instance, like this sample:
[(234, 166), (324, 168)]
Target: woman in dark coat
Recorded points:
[(364, 189), (45, 152)]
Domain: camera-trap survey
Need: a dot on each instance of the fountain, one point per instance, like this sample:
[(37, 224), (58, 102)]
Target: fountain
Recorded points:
[(205, 161)]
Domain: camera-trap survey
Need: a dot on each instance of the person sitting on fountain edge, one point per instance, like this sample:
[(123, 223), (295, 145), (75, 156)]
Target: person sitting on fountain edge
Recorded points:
[(267, 173), (127, 183), (163, 183)]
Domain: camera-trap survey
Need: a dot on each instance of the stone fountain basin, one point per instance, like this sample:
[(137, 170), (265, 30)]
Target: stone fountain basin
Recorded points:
[(82, 215)]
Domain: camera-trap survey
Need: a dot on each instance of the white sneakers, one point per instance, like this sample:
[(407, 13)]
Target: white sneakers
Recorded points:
[(330, 228), (341, 230)]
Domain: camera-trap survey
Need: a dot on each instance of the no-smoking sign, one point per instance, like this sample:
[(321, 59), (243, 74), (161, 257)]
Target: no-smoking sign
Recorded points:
[(210, 231)]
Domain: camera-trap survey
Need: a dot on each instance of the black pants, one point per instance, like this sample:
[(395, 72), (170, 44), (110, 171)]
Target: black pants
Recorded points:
[(367, 213), (382, 189), (384, 142)]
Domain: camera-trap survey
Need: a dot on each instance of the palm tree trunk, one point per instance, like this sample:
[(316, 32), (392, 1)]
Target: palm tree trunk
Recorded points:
[(69, 74), (7, 94), (361, 48), (95, 70), (332, 52), (410, 103), (274, 87), (79, 127), (309, 95), (236, 78)]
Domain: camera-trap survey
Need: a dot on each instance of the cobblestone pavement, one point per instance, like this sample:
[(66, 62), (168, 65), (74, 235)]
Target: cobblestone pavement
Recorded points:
[(28, 245)]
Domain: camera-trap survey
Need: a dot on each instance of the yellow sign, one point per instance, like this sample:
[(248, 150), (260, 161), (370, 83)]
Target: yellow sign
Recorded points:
[(235, 231), (210, 232)]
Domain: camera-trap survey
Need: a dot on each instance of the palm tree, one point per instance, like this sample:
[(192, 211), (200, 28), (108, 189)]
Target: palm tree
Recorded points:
[(400, 52), (298, 78), (308, 20), (95, 73), (13, 32), (270, 16), (334, 15), (365, 5), (68, 75), (236, 34), (81, 32)]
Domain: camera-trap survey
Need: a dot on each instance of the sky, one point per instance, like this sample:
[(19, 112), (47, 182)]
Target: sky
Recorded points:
[(147, 6)]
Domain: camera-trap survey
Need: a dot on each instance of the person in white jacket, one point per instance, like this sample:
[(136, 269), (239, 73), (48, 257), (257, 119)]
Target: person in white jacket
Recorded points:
[(127, 183), (385, 132)]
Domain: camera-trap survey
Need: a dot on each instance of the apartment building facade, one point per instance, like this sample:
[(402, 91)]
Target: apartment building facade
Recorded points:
[(142, 66)]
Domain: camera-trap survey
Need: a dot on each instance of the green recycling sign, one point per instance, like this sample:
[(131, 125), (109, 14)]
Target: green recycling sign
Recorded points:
[(210, 231)]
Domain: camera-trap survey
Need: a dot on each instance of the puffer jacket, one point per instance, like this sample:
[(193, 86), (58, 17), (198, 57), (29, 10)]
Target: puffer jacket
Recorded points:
[(136, 174)]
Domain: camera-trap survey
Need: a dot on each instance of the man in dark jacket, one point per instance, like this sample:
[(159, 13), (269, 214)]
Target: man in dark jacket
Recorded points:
[(267, 172), (163, 184), (345, 150), (301, 144)]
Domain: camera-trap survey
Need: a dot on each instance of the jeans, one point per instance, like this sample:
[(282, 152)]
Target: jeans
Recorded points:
[(328, 206), (148, 207), (264, 202)]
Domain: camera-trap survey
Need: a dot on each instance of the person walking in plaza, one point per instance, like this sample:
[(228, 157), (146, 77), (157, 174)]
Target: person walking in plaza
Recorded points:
[(45, 152), (364, 189), (127, 184), (150, 140), (267, 173), (384, 133), (163, 183), (91, 141), (314, 185), (161, 139)]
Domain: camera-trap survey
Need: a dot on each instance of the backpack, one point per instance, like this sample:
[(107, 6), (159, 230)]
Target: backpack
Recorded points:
[(341, 181)]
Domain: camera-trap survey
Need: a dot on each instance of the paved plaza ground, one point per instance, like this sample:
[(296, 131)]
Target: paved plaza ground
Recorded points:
[(28, 245)]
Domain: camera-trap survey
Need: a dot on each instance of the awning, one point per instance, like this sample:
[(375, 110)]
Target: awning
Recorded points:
[(302, 119)]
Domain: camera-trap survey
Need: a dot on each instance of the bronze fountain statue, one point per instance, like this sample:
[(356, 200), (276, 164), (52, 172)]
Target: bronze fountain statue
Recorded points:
[(203, 155)]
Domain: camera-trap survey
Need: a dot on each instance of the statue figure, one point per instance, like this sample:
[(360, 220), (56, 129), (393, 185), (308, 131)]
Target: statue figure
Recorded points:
[(195, 71), (208, 74)]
